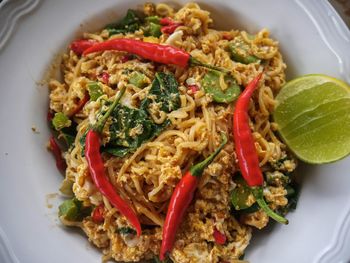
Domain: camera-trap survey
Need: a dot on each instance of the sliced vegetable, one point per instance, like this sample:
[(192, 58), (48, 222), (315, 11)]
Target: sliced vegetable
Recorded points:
[(240, 52), (95, 91), (60, 121), (130, 23), (211, 85), (73, 210), (138, 79)]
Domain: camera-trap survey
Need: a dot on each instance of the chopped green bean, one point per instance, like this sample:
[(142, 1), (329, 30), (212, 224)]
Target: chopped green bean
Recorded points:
[(138, 79), (60, 121), (95, 91)]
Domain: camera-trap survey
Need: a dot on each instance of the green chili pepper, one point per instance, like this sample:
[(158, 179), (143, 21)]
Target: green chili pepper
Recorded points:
[(95, 91), (211, 85), (60, 121)]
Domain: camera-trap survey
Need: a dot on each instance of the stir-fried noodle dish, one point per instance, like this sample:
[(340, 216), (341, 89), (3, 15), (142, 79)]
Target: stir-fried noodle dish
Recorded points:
[(144, 100)]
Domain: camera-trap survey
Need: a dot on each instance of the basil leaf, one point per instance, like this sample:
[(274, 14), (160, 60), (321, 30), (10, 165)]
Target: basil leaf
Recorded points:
[(129, 129), (164, 92), (130, 23)]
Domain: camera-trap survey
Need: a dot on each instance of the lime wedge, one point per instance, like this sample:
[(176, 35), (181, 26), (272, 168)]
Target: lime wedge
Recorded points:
[(313, 117)]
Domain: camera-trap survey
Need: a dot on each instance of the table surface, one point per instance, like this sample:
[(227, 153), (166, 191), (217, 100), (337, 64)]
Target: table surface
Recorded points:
[(343, 9)]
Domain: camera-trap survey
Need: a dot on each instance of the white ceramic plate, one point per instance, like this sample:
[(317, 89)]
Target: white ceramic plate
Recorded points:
[(313, 39)]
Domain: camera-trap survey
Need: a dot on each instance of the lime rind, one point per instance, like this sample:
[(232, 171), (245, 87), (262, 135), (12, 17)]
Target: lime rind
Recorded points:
[(313, 116)]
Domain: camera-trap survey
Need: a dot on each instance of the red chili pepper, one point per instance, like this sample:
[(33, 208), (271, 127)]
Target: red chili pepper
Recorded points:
[(79, 46), (181, 199), (245, 149), (96, 168), (80, 105), (219, 237), (169, 25), (60, 162), (97, 214), (155, 52), (105, 77), (244, 142), (165, 21), (170, 28), (194, 88)]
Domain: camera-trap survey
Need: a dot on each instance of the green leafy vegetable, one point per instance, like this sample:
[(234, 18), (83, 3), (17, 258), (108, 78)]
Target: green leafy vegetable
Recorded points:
[(73, 210), (211, 85), (240, 52), (95, 91), (126, 231), (60, 121), (138, 79), (132, 127), (129, 129), (164, 93), (130, 23)]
